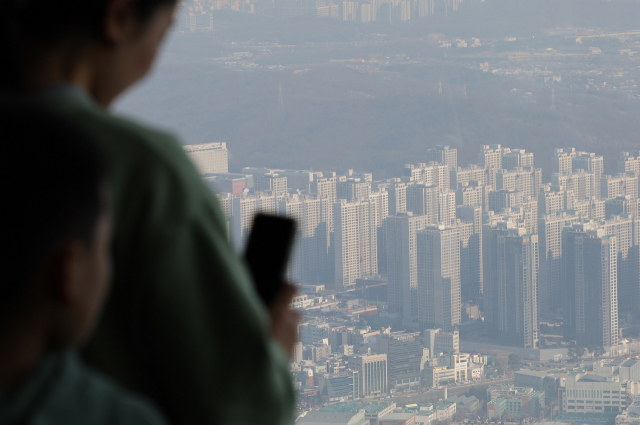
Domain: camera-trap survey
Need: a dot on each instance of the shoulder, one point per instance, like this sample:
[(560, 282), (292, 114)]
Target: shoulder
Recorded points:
[(126, 139), (148, 163), (84, 396)]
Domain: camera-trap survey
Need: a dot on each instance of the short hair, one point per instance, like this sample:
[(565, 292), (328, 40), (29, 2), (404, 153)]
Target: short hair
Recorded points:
[(51, 173)]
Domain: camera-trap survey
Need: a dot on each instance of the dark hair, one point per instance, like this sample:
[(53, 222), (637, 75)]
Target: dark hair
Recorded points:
[(45, 22), (51, 178)]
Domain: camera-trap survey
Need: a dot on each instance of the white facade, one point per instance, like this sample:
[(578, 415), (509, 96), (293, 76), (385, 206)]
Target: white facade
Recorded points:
[(209, 157), (590, 393)]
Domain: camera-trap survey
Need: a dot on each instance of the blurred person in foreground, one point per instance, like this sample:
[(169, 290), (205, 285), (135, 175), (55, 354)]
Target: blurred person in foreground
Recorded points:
[(184, 324), (55, 276)]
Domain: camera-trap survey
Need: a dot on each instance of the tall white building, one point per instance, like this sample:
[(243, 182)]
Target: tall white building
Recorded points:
[(439, 277), (209, 157), (629, 161), (517, 158), (568, 160), (244, 209), (355, 241), (622, 184), (308, 262), (490, 158), (468, 174), (431, 174), (523, 179), (424, 200), (579, 182), (443, 154)]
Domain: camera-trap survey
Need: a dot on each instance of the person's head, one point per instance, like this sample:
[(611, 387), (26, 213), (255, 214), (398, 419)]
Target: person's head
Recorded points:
[(56, 226), (116, 41)]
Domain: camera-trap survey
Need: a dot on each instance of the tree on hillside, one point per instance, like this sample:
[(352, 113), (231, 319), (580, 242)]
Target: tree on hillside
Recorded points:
[(598, 352)]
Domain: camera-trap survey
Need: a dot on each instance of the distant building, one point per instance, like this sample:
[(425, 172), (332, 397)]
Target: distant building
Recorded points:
[(438, 253), (438, 342), (443, 154), (402, 267), (591, 393), (372, 374), (209, 157), (596, 286), (315, 417)]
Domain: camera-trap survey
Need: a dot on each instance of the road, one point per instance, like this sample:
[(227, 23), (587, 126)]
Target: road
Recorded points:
[(433, 395)]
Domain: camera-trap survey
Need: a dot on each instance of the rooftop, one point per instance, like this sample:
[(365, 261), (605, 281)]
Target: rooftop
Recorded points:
[(590, 377)]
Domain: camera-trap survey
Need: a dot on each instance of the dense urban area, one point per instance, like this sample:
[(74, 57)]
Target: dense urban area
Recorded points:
[(466, 188)]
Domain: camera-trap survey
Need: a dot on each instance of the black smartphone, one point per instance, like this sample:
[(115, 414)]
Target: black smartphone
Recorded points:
[(267, 253)]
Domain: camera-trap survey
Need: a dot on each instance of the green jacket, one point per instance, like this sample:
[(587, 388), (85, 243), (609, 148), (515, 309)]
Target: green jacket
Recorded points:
[(183, 323), (64, 391)]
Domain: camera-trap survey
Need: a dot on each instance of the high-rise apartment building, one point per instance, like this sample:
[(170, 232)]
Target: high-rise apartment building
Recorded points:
[(566, 160), (438, 260), (397, 196), (596, 299), (551, 265), (517, 274), (424, 200), (551, 201), (503, 199), (401, 254), (562, 160), (622, 204), (355, 241), (593, 164), (244, 209), (622, 184), (209, 157), (629, 161), (490, 158), (431, 174), (352, 189), (473, 195), (460, 175), (527, 180), (517, 158), (471, 253), (444, 155), (271, 182), (308, 262), (626, 230), (491, 231), (579, 182)]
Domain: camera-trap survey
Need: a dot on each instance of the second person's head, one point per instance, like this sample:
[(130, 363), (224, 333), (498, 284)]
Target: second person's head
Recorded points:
[(103, 46)]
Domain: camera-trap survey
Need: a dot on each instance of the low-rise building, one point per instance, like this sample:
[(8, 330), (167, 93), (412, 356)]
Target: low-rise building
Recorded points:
[(630, 416), (398, 419), (464, 403), (438, 375), (496, 407), (591, 393), (525, 402), (316, 417)]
